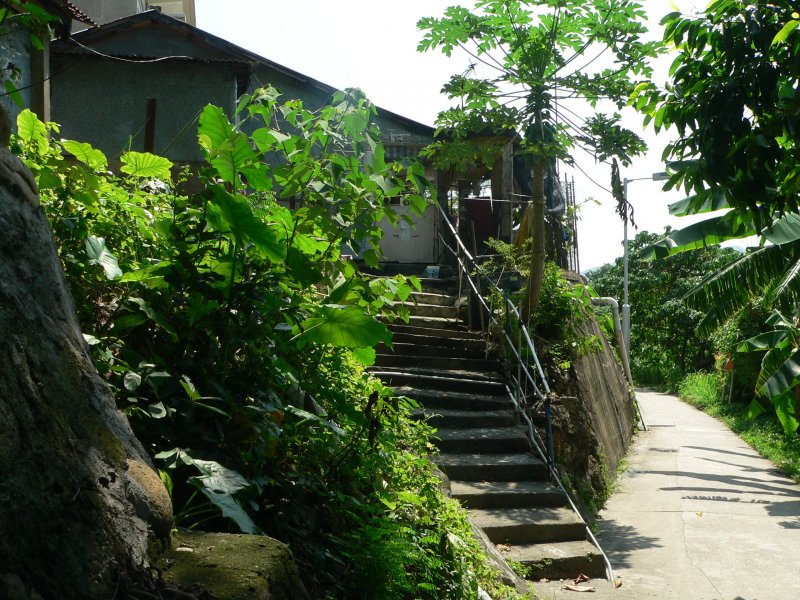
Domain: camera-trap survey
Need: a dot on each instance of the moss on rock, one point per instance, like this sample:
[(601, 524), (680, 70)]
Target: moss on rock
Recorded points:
[(233, 566)]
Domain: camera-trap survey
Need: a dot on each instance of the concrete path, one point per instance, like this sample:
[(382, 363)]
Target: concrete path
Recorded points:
[(698, 515)]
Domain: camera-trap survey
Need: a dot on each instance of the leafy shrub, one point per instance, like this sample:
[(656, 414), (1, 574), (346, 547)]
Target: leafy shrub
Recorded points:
[(234, 334), (745, 324), (701, 389)]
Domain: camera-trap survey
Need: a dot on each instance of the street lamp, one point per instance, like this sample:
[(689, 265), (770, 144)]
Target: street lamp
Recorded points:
[(626, 307)]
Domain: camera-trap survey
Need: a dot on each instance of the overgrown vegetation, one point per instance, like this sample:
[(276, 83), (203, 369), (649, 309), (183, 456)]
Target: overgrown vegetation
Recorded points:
[(561, 306), (234, 334)]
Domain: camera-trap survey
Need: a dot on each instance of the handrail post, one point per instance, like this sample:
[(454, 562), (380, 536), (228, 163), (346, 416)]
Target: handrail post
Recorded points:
[(548, 415)]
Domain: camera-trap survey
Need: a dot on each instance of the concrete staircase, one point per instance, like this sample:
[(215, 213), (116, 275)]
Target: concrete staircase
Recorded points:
[(483, 448)]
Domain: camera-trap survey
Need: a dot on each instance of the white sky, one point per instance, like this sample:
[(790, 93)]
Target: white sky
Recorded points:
[(371, 44)]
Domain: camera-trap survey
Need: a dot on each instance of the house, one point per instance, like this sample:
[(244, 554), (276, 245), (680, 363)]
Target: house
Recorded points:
[(140, 82)]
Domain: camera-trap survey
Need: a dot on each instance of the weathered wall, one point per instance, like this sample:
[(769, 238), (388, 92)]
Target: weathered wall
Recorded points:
[(103, 11), (103, 102), (593, 418), (604, 391), (15, 49)]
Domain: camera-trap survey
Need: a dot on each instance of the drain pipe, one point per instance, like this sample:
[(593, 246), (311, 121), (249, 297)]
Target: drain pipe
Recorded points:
[(623, 350)]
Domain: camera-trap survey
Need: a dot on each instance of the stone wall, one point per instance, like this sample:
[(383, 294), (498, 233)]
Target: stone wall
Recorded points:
[(594, 417)]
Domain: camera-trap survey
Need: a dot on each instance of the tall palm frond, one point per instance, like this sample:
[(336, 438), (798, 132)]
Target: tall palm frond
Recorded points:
[(724, 292), (787, 285)]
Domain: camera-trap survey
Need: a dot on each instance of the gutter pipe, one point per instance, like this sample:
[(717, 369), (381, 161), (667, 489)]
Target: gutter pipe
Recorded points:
[(612, 302)]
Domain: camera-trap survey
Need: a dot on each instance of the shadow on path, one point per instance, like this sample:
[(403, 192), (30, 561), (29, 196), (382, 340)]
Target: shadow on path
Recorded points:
[(752, 455), (789, 509), (751, 483), (775, 472), (620, 541), (726, 499)]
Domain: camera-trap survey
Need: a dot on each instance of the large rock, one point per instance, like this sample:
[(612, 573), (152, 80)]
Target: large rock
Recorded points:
[(233, 566), (79, 503)]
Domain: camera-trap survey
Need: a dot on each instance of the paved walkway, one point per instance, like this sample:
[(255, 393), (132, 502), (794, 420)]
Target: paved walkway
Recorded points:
[(698, 515)]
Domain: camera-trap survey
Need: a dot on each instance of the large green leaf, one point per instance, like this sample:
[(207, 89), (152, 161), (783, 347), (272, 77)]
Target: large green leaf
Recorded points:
[(787, 415), (344, 326), (32, 130), (763, 341), (85, 153), (702, 202), (144, 164), (785, 32), (366, 356), (219, 484), (785, 230), (725, 291), (99, 255), (786, 376), (227, 149), (214, 128), (705, 233), (231, 214)]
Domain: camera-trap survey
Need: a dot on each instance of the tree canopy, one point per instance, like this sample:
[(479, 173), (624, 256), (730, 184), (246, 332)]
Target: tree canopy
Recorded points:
[(534, 64), (664, 346)]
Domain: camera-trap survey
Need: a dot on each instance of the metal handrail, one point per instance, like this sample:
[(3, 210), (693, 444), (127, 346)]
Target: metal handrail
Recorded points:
[(519, 394)]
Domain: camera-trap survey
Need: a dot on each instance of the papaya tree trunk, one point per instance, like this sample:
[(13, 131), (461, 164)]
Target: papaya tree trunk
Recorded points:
[(80, 505), (537, 243)]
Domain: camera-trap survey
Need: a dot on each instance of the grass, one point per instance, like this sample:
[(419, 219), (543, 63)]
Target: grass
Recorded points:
[(764, 434)]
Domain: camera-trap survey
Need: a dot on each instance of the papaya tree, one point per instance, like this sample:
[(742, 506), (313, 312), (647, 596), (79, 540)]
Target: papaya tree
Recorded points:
[(733, 101), (535, 66)]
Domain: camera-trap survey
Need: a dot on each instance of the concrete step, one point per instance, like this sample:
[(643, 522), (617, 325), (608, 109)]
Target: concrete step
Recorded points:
[(530, 525), (460, 334), (431, 310), (507, 494), (559, 560), (438, 362), (488, 440), (434, 298), (437, 400), (446, 324), (445, 285), (467, 419), (492, 467), (441, 379), (438, 341), (417, 350)]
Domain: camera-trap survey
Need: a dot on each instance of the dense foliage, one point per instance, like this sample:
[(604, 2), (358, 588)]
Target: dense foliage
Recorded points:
[(733, 100), (234, 333), (664, 345)]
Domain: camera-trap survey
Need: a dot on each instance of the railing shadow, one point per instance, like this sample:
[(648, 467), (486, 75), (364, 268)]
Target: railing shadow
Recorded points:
[(620, 541)]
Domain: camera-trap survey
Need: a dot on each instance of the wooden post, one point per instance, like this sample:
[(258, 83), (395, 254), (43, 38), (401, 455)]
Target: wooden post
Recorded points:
[(150, 125)]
